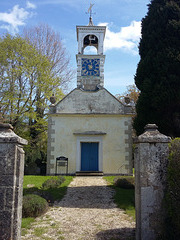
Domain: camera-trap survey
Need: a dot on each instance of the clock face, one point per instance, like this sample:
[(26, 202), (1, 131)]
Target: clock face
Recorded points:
[(90, 67)]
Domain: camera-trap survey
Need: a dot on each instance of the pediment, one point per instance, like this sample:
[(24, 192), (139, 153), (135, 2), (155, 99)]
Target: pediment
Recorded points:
[(90, 102)]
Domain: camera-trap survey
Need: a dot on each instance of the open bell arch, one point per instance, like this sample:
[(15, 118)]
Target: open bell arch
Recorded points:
[(90, 36), (90, 40)]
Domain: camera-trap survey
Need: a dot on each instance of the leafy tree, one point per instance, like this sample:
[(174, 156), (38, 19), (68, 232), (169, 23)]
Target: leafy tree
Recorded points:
[(49, 44), (22, 70), (158, 72), (132, 92), (26, 85)]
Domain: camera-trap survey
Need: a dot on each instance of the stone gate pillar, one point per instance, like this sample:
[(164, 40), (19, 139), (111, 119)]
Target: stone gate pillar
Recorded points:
[(151, 160), (11, 183)]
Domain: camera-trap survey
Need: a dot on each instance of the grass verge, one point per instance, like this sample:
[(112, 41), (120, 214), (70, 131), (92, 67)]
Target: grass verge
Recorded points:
[(26, 224), (124, 198), (37, 181), (54, 194)]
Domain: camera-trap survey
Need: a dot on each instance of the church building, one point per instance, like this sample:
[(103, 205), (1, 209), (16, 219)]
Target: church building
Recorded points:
[(90, 126)]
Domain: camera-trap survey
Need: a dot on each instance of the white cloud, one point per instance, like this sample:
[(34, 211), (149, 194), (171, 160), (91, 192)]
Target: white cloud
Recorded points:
[(126, 39), (14, 18), (30, 5)]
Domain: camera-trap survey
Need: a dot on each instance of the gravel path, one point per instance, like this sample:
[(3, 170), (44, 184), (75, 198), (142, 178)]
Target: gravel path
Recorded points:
[(87, 212)]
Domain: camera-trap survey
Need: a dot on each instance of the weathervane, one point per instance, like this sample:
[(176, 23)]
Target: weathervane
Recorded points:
[(90, 14)]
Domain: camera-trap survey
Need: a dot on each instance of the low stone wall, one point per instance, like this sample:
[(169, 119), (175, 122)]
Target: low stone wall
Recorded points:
[(11, 183)]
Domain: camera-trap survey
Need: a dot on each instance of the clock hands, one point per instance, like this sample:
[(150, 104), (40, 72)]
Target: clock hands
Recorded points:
[(90, 66)]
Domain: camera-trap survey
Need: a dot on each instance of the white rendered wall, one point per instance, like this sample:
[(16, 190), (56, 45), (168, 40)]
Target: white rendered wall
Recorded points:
[(115, 146)]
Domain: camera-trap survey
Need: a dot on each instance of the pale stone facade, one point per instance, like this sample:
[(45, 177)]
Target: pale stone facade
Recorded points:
[(91, 117), (90, 114)]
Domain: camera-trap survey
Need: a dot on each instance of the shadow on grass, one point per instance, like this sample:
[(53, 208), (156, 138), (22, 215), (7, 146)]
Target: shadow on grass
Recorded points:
[(116, 234), (51, 194)]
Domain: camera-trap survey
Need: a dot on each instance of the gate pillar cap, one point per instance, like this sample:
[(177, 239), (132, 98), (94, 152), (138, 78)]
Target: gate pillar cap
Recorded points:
[(8, 136), (151, 127), (152, 135), (6, 126)]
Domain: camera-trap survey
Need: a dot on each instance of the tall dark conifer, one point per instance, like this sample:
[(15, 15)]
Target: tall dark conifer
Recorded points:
[(158, 72)]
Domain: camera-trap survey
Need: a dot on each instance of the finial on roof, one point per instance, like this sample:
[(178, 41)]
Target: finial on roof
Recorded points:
[(90, 14), (52, 99)]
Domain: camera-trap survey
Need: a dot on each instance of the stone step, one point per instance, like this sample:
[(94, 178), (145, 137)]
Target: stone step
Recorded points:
[(87, 173)]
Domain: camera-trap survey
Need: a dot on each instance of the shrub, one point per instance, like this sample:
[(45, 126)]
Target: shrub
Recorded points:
[(124, 182), (173, 189), (33, 205), (53, 182)]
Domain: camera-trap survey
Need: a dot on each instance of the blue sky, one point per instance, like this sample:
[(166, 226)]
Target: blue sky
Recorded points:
[(122, 18)]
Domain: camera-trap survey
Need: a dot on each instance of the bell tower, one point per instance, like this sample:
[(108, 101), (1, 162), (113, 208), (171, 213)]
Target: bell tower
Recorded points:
[(90, 68)]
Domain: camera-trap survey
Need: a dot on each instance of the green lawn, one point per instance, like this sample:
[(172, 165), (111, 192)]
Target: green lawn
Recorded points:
[(53, 193), (124, 198), (38, 180), (26, 224)]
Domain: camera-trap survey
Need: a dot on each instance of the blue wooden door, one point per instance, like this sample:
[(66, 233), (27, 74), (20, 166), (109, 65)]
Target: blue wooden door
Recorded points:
[(89, 156)]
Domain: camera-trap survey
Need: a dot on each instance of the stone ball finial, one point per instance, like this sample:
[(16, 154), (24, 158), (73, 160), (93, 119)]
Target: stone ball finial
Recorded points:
[(52, 99), (151, 127), (127, 99)]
